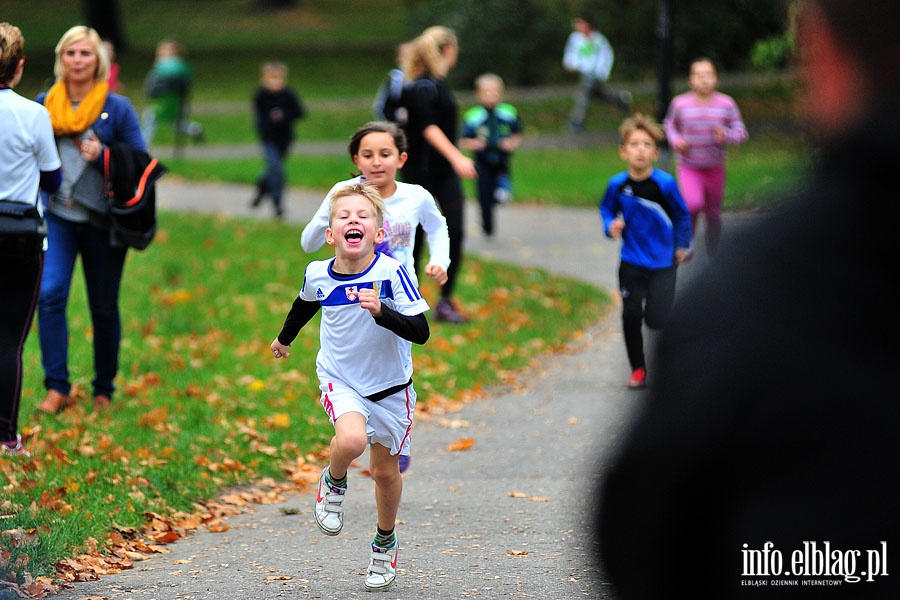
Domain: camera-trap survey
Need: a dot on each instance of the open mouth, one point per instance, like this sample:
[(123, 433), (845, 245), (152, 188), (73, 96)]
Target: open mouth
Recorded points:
[(353, 235)]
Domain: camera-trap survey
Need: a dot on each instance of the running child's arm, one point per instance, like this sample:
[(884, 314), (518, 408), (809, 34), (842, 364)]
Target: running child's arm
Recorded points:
[(511, 143), (681, 221), (735, 132), (413, 328), (613, 224), (438, 236), (313, 236), (299, 315), (473, 144)]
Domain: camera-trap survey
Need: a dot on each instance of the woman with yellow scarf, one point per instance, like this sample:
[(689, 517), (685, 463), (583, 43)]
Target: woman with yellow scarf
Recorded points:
[(85, 118)]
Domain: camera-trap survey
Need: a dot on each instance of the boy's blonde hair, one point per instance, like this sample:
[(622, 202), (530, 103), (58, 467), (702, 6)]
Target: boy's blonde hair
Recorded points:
[(640, 122), (487, 79), (75, 35), (274, 66), (367, 191)]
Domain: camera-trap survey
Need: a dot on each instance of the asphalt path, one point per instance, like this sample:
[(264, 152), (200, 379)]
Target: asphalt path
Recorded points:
[(508, 518)]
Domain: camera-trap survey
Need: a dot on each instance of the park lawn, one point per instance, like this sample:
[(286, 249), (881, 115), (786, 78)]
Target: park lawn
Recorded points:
[(201, 405), (227, 40), (758, 173)]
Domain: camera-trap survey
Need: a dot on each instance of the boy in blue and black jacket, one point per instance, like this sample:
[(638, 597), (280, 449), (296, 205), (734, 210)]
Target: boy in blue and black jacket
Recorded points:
[(644, 208), (493, 131)]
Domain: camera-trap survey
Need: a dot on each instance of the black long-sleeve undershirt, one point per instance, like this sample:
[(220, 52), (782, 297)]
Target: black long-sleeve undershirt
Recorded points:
[(413, 328)]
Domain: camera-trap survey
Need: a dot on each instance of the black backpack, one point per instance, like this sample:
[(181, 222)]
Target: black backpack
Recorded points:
[(389, 101), (395, 95)]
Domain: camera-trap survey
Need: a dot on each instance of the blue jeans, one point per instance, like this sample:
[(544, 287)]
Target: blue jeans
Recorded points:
[(103, 265), (272, 181), (488, 181)]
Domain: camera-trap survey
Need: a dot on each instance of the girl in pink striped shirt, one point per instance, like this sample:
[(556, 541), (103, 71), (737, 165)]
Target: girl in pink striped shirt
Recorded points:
[(699, 124)]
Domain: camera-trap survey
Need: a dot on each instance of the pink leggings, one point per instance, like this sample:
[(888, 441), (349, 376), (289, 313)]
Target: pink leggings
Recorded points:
[(702, 190)]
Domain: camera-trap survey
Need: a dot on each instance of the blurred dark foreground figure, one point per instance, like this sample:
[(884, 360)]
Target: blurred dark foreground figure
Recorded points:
[(765, 453)]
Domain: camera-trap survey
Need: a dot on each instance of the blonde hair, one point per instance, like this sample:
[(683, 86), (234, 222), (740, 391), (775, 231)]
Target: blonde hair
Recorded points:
[(75, 35), (12, 49), (426, 53), (367, 191), (488, 79), (275, 67), (640, 122)]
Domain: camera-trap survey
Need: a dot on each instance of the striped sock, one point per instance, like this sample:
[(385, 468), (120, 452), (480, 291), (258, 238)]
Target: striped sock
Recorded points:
[(384, 539), (341, 483)]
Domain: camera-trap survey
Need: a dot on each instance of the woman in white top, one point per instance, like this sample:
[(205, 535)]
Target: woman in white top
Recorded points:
[(28, 161)]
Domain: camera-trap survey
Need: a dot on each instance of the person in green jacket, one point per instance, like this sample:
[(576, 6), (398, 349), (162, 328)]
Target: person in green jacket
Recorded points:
[(168, 86)]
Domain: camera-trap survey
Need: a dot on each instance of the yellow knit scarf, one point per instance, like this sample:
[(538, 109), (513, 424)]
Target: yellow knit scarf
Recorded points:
[(65, 119)]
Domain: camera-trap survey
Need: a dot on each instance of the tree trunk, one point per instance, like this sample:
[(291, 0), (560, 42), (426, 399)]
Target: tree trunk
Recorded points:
[(276, 4), (103, 15)]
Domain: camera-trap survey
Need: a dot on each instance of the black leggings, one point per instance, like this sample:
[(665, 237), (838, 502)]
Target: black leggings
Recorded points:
[(447, 191), (18, 301), (647, 296)]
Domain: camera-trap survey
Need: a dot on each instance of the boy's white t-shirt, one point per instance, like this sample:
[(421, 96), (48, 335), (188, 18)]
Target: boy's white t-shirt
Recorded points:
[(354, 349), (409, 206)]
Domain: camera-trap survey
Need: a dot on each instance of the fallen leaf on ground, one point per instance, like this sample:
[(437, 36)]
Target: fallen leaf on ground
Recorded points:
[(463, 444), (531, 497)]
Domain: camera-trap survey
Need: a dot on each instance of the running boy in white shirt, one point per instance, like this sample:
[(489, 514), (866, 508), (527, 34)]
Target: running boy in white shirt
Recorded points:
[(372, 313), (378, 149)]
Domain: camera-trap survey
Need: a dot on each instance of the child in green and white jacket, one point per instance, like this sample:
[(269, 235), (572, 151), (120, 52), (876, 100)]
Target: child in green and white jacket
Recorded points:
[(493, 131)]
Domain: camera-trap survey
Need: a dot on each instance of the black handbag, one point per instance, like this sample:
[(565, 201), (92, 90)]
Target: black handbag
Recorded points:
[(22, 229)]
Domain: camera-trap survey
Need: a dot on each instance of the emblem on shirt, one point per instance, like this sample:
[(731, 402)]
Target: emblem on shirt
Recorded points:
[(320, 294), (352, 293)]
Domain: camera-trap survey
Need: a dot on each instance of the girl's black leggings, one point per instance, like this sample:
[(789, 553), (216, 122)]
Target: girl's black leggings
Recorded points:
[(18, 302)]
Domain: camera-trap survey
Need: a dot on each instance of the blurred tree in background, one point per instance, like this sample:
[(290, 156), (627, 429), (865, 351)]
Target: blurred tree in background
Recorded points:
[(523, 40), (520, 40)]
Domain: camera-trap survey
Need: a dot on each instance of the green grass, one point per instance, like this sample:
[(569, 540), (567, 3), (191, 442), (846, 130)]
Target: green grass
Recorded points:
[(769, 163), (334, 48), (202, 404), (758, 172)]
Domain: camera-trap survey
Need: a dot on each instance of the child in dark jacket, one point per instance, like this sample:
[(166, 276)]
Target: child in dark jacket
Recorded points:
[(276, 107)]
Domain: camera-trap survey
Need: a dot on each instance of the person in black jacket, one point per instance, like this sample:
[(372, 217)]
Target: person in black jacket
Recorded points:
[(276, 107), (765, 452), (435, 162)]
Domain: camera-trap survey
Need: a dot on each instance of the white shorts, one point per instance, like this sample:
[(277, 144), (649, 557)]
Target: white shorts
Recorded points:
[(388, 421)]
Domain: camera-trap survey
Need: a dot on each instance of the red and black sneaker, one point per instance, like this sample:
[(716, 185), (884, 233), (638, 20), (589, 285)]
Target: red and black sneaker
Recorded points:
[(638, 379)]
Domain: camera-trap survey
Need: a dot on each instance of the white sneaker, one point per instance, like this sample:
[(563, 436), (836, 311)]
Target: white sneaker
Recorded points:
[(382, 567), (14, 448), (503, 192), (329, 506)]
